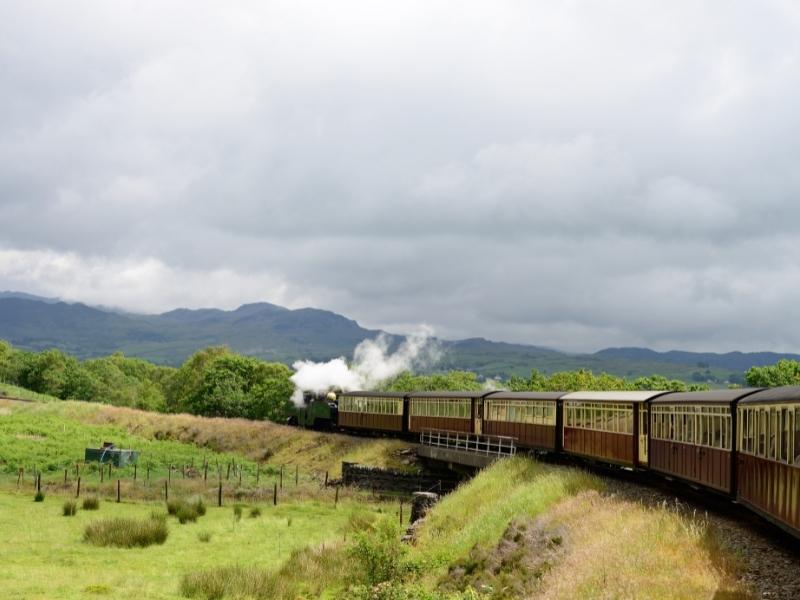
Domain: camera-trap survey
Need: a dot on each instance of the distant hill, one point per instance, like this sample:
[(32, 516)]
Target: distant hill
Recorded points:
[(279, 334)]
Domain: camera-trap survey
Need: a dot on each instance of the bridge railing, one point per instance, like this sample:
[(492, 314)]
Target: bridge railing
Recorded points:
[(497, 445)]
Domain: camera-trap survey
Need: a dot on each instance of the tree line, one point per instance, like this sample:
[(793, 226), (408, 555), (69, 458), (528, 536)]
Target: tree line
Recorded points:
[(217, 382), (212, 382)]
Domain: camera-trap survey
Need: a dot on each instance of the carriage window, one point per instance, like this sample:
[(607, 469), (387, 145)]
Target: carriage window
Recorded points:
[(773, 432), (716, 431), (785, 434), (797, 435)]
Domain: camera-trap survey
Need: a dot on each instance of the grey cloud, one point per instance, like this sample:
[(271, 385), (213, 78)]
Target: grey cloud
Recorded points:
[(576, 175)]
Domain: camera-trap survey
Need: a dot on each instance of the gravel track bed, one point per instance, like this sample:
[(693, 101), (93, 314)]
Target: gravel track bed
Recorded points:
[(769, 558)]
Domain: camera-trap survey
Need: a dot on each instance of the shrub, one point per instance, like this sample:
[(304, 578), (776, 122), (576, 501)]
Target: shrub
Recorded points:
[(70, 508), (380, 552), (186, 513), (39, 497), (255, 512), (173, 506), (91, 503), (200, 507), (204, 536), (126, 533)]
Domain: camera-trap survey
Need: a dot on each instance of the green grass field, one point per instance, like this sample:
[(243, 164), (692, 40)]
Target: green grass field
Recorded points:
[(44, 557)]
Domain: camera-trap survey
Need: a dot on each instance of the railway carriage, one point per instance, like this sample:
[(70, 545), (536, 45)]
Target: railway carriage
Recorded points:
[(607, 426), (445, 411), (768, 445), (692, 436), (380, 411), (528, 417)]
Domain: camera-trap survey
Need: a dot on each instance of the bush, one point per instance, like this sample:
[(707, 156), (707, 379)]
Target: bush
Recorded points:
[(39, 496), (204, 536), (126, 533), (173, 506), (255, 512), (200, 507), (70, 508), (91, 503), (380, 552), (186, 513)]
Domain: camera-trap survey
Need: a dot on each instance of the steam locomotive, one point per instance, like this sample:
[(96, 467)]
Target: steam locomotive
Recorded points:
[(742, 443)]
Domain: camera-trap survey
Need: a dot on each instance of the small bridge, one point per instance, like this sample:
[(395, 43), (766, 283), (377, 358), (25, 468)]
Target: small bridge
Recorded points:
[(469, 449)]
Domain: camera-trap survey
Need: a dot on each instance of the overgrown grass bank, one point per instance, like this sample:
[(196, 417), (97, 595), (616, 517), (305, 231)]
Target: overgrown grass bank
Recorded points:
[(53, 436), (520, 529)]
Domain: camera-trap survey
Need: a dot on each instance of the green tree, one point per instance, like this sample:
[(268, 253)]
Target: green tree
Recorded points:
[(784, 372)]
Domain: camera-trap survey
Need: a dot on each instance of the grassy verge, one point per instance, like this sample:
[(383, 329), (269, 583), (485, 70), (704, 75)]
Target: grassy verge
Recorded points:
[(13, 391), (519, 529)]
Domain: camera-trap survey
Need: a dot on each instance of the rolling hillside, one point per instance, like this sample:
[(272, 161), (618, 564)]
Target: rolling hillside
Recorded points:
[(279, 334)]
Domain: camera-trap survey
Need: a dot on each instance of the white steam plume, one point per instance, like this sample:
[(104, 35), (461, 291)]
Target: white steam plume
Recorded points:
[(372, 364)]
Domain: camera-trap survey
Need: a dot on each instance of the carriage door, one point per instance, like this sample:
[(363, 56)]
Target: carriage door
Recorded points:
[(644, 423), (478, 419)]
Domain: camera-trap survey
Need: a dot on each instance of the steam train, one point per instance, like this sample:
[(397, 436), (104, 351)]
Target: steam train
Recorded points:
[(742, 443)]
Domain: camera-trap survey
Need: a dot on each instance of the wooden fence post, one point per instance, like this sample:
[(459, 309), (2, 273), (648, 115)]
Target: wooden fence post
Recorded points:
[(78, 492), (135, 469), (275, 495), (166, 491), (102, 473), (205, 472), (118, 494), (326, 479), (228, 475), (219, 495), (296, 474), (281, 476), (20, 474), (336, 498), (148, 474)]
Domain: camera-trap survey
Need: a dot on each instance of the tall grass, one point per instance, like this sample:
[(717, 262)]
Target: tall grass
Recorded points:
[(621, 549), (126, 533), (479, 511)]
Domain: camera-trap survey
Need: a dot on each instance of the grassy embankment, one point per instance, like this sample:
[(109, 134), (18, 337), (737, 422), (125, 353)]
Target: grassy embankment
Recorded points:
[(520, 529), (52, 436)]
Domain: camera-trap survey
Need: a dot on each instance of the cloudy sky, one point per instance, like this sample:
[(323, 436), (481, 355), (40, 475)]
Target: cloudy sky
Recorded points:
[(571, 174)]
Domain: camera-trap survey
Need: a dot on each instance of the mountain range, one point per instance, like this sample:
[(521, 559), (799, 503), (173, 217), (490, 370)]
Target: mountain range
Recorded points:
[(276, 333)]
